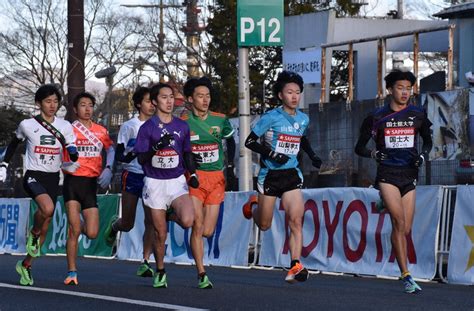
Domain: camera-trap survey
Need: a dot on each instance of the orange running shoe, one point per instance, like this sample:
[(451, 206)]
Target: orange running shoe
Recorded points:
[(71, 278), (297, 273), (248, 206)]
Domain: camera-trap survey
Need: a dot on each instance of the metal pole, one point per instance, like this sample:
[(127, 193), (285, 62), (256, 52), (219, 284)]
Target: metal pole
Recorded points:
[(245, 155), (161, 42), (380, 68), (350, 95), (416, 50), (322, 96), (450, 58)]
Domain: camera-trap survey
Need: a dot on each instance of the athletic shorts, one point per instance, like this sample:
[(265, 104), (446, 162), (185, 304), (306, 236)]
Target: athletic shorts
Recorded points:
[(36, 183), (211, 187), (132, 183), (160, 193), (81, 189), (276, 182), (401, 177)]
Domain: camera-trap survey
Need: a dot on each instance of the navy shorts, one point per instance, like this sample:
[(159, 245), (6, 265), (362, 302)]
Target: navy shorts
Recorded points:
[(404, 178), (36, 183), (132, 183), (81, 189), (276, 182)]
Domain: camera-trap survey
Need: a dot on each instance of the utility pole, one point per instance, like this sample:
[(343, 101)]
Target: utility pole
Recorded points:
[(75, 60)]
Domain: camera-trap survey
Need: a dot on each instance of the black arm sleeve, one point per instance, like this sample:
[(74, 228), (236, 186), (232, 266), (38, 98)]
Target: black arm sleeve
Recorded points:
[(252, 143), (230, 149), (364, 137), (11, 149), (425, 134), (145, 157), (306, 146), (189, 162), (120, 157)]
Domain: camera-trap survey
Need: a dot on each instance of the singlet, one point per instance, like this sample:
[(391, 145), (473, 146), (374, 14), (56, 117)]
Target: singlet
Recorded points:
[(128, 137), (206, 138), (167, 163), (395, 133), (282, 133), (43, 150)]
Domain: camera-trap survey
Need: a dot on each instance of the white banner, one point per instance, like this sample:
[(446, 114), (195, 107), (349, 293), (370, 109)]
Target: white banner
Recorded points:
[(228, 246), (13, 225), (306, 63), (461, 251), (342, 232)]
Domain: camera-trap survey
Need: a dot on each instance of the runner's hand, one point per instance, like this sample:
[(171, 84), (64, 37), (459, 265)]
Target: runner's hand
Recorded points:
[(419, 160), (164, 142), (197, 159), (70, 167), (3, 171), (105, 178), (279, 158), (193, 181), (379, 155)]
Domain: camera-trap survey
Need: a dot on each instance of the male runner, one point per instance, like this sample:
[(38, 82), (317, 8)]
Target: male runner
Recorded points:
[(132, 180), (80, 184), (208, 129), (394, 129), (46, 138), (164, 151), (284, 130)]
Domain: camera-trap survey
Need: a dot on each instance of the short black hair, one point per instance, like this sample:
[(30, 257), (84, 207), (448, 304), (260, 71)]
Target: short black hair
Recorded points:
[(284, 78), (47, 90), (138, 96), (193, 83), (155, 90), (78, 97), (398, 75)]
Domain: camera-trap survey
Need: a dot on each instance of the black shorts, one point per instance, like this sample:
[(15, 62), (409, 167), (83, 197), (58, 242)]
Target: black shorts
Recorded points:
[(36, 183), (404, 178), (277, 182), (81, 189)]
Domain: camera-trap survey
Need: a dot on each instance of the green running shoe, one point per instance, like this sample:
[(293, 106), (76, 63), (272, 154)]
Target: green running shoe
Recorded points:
[(159, 280), (410, 285), (25, 274), (144, 270), (204, 282), (33, 245), (110, 235)]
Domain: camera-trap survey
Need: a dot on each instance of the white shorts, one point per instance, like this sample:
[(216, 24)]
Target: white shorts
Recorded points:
[(159, 193)]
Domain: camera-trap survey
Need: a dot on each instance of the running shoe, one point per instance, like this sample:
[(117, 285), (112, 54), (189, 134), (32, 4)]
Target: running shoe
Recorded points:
[(71, 278), (247, 209), (297, 273), (144, 270), (26, 279), (111, 235), (410, 285), (33, 245), (380, 206), (204, 282), (159, 280)]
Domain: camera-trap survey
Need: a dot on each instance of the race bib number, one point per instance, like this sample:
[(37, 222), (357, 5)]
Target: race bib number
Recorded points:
[(86, 149), (399, 137), (208, 152), (165, 159), (47, 155), (288, 144)]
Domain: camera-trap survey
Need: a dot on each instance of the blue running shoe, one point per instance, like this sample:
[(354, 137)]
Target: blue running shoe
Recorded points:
[(410, 285)]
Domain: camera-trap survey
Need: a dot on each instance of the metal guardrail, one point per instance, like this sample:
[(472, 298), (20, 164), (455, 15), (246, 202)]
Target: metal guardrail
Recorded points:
[(447, 209)]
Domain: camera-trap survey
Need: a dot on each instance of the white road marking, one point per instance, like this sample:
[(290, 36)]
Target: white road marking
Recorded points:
[(102, 297)]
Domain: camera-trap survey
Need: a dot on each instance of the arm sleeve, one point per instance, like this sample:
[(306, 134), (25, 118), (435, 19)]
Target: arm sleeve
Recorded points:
[(306, 146), (425, 134), (120, 157), (68, 134), (11, 149), (110, 156), (230, 149), (364, 137), (189, 162), (252, 143)]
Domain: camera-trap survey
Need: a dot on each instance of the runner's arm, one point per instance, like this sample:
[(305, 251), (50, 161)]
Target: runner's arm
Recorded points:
[(120, 157), (252, 143), (364, 137), (306, 146), (189, 162), (425, 134), (109, 162), (230, 150), (11, 149)]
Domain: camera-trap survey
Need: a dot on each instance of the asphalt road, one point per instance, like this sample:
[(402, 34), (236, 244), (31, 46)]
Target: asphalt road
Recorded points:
[(112, 285)]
